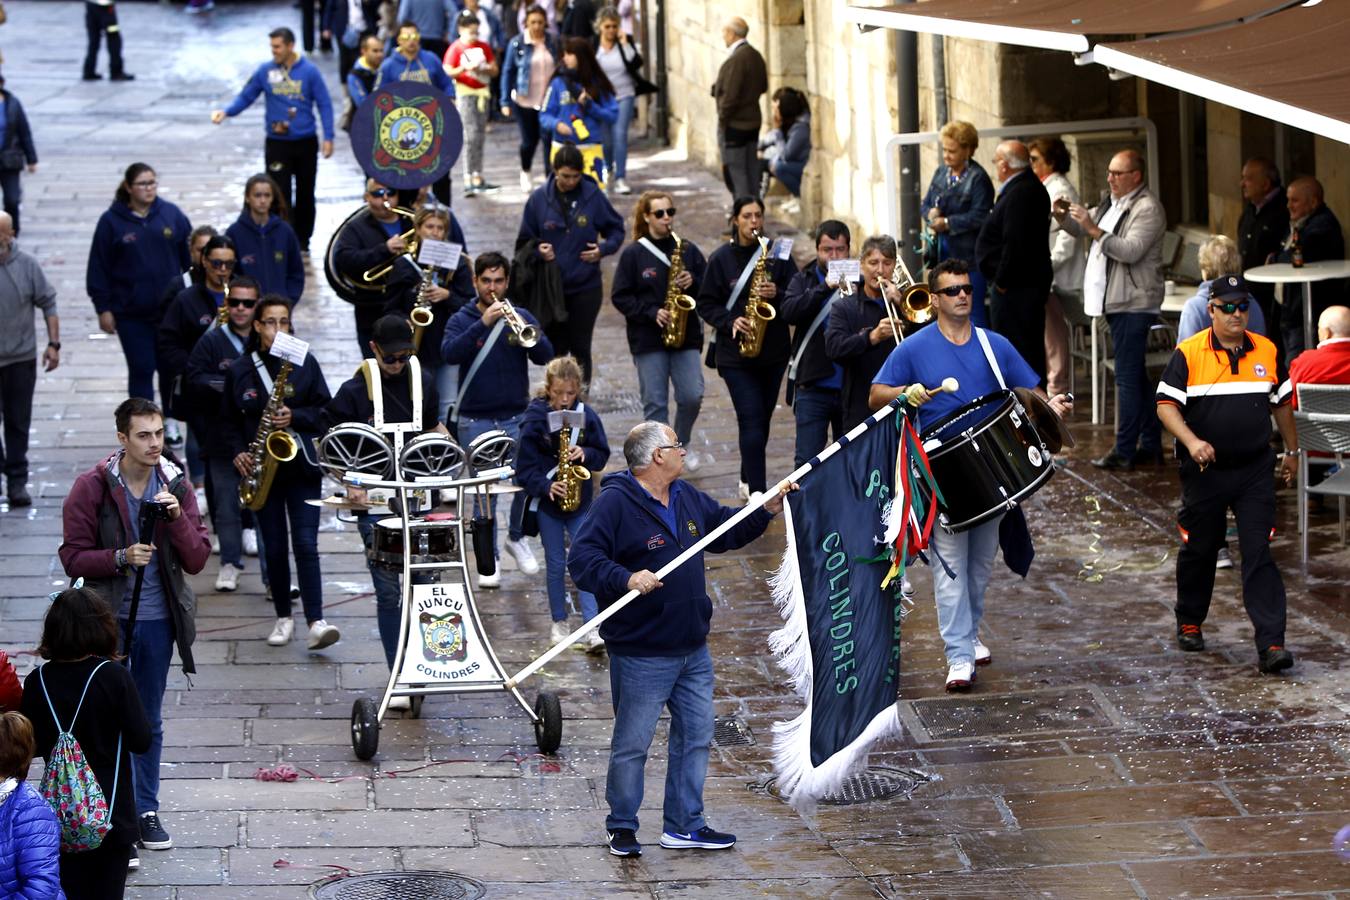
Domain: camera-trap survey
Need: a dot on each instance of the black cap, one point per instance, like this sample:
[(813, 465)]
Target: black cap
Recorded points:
[(392, 334), (1229, 286)]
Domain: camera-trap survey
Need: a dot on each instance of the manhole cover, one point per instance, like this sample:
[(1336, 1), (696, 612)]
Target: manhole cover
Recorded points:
[(398, 886), (1066, 709), (875, 783), (615, 402), (730, 731)]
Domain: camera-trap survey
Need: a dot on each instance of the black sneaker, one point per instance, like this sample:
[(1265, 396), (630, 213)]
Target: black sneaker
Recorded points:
[(1190, 638), (134, 860), (123, 76), (153, 835), (624, 842), (19, 496), (92, 76), (1115, 461), (703, 839), (1275, 659)]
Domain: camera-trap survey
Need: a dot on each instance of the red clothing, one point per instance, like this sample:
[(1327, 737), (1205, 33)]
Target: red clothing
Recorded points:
[(1328, 364), (455, 54), (11, 692)]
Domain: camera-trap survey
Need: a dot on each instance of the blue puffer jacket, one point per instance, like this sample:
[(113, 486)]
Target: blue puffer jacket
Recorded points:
[(132, 258), (30, 844)]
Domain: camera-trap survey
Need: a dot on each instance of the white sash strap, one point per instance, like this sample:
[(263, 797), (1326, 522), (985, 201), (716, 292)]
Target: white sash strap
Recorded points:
[(989, 355)]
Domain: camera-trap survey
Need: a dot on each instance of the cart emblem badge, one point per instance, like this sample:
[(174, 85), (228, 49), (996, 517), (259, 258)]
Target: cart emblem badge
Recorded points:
[(442, 637)]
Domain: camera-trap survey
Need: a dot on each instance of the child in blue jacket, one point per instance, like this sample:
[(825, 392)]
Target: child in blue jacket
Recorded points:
[(580, 103), (30, 839), (269, 251)]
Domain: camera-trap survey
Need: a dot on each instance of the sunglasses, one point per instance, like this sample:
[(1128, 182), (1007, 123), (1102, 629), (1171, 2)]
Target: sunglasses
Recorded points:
[(394, 359), (1229, 308), (221, 263), (382, 192), (664, 213), (956, 290), (245, 302)]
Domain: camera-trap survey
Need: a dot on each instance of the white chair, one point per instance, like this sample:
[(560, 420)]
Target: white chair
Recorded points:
[(1323, 423)]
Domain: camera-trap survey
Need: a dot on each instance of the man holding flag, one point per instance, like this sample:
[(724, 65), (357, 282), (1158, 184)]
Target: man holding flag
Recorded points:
[(983, 362), (643, 519)]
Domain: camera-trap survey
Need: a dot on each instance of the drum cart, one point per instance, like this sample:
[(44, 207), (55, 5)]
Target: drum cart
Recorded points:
[(442, 646)]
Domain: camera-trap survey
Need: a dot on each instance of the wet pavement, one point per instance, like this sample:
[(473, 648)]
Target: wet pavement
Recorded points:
[(1093, 759)]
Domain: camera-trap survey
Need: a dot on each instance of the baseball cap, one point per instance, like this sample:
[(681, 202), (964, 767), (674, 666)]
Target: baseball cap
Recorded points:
[(392, 334), (1229, 286)]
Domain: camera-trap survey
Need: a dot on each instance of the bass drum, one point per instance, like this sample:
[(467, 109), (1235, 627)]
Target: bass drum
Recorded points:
[(353, 290)]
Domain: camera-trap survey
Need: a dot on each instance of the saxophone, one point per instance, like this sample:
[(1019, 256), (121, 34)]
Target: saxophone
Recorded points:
[(569, 473), (223, 314), (270, 446), (422, 314), (758, 310), (678, 304)]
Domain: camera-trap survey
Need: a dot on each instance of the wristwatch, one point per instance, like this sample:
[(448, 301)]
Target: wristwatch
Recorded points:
[(55, 345)]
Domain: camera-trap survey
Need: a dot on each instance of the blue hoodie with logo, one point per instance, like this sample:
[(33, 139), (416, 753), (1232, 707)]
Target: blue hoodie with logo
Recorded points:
[(131, 259), (292, 93), (569, 222), (270, 253)]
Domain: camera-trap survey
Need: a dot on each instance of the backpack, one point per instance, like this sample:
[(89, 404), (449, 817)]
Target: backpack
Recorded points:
[(70, 787)]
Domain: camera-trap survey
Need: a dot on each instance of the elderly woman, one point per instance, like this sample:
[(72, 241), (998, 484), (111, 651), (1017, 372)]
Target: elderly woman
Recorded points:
[(1050, 161), (1219, 257), (957, 203)]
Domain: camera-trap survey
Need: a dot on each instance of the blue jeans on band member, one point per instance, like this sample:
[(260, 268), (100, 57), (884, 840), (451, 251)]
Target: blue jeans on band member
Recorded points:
[(295, 482), (641, 686), (960, 600), (151, 652), (551, 529), (615, 139), (472, 428), (1139, 426), (138, 346), (819, 413), (225, 510), (388, 591), (192, 450), (754, 393), (657, 372), (447, 386)]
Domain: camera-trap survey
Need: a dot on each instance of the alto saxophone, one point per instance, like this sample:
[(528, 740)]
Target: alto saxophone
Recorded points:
[(422, 314), (678, 304), (270, 447), (569, 473), (758, 310), (223, 314)]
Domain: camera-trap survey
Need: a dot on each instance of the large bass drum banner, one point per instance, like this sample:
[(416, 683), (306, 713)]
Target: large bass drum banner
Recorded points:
[(406, 135)]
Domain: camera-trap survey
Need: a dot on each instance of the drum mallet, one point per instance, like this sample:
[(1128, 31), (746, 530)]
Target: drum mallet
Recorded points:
[(949, 386)]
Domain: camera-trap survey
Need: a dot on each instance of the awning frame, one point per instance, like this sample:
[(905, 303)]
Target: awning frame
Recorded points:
[(1001, 34)]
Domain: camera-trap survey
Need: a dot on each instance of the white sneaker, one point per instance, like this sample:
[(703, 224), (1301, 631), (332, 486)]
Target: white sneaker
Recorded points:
[(250, 542), (743, 490), (321, 635), (692, 462), (490, 582), (228, 579), (281, 633), (907, 591), (558, 632), (594, 643), (960, 676), (215, 546), (621, 185), (524, 557), (1224, 560), (201, 500), (525, 184), (982, 655), (400, 704)]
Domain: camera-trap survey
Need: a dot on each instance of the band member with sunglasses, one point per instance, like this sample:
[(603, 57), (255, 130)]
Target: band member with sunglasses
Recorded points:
[(207, 365), (367, 242), (1216, 397), (641, 282), (249, 384), (983, 362)]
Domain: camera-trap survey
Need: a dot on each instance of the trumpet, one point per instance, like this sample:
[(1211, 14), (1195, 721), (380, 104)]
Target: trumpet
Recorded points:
[(522, 333), (409, 237)]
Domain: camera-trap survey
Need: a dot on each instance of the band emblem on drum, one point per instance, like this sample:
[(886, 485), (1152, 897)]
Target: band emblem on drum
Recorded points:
[(442, 637), (1034, 454)]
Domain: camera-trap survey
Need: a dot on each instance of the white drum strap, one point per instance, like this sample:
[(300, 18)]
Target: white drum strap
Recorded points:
[(989, 355)]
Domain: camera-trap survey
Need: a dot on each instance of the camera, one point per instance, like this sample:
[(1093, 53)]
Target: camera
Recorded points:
[(152, 511)]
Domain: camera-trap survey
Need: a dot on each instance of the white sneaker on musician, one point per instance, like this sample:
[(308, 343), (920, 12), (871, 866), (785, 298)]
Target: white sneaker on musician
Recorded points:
[(228, 579), (490, 582), (525, 184), (281, 632), (558, 632), (692, 461), (250, 542), (321, 635), (743, 490), (201, 500), (523, 555), (594, 643), (960, 676), (400, 704), (215, 546), (982, 655), (621, 186)]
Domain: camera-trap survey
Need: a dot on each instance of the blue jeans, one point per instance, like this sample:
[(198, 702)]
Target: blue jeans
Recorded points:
[(754, 393), (960, 600), (819, 414), (138, 346), (660, 369), (472, 428), (225, 510), (447, 386), (615, 140), (641, 687), (388, 591), (1139, 427), (551, 529), (151, 652), (295, 483)]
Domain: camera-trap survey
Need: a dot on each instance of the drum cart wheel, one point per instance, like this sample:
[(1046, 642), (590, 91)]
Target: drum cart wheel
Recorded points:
[(365, 728), (547, 722)]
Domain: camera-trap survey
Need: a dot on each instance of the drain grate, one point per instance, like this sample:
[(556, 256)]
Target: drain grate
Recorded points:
[(398, 886), (875, 783), (731, 731), (1064, 709), (615, 402)]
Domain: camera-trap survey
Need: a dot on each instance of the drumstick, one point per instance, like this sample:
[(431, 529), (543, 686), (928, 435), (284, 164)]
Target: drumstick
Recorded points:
[(949, 386)]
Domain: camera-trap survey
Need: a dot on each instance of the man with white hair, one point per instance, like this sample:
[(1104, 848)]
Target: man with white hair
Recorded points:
[(1330, 362), (658, 644), (1013, 256), (741, 81)]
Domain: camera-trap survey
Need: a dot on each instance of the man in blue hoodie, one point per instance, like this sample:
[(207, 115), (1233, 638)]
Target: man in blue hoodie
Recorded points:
[(294, 88), (658, 644)]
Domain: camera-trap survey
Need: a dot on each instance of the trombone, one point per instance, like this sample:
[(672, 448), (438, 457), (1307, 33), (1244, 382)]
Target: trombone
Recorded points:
[(522, 333), (409, 237)]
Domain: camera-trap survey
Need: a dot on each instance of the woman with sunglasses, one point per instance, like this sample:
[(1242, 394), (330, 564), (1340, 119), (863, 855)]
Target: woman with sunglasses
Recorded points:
[(753, 382), (140, 243), (641, 282), (269, 251)]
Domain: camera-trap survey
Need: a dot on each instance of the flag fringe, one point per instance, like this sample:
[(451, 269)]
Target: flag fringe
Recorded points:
[(791, 645)]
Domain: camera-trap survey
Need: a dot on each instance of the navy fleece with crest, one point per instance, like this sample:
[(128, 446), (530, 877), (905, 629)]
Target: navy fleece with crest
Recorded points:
[(570, 222), (131, 259), (537, 454), (270, 253), (625, 533)]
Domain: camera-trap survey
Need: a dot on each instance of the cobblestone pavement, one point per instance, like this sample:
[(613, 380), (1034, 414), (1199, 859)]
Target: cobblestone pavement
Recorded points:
[(1093, 760)]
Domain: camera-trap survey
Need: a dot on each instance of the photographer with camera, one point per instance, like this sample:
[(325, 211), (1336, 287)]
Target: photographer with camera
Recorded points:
[(133, 532)]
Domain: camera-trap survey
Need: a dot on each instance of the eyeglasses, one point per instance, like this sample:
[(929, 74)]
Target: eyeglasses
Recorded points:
[(276, 323), (956, 290), (1112, 173), (382, 192), (678, 445), (220, 263), (245, 302), (1229, 308), (663, 213), (394, 359), (144, 184)]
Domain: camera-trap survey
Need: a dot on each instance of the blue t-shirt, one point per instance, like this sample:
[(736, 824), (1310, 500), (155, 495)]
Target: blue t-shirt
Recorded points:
[(393, 229), (665, 512), (152, 605), (927, 357)]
